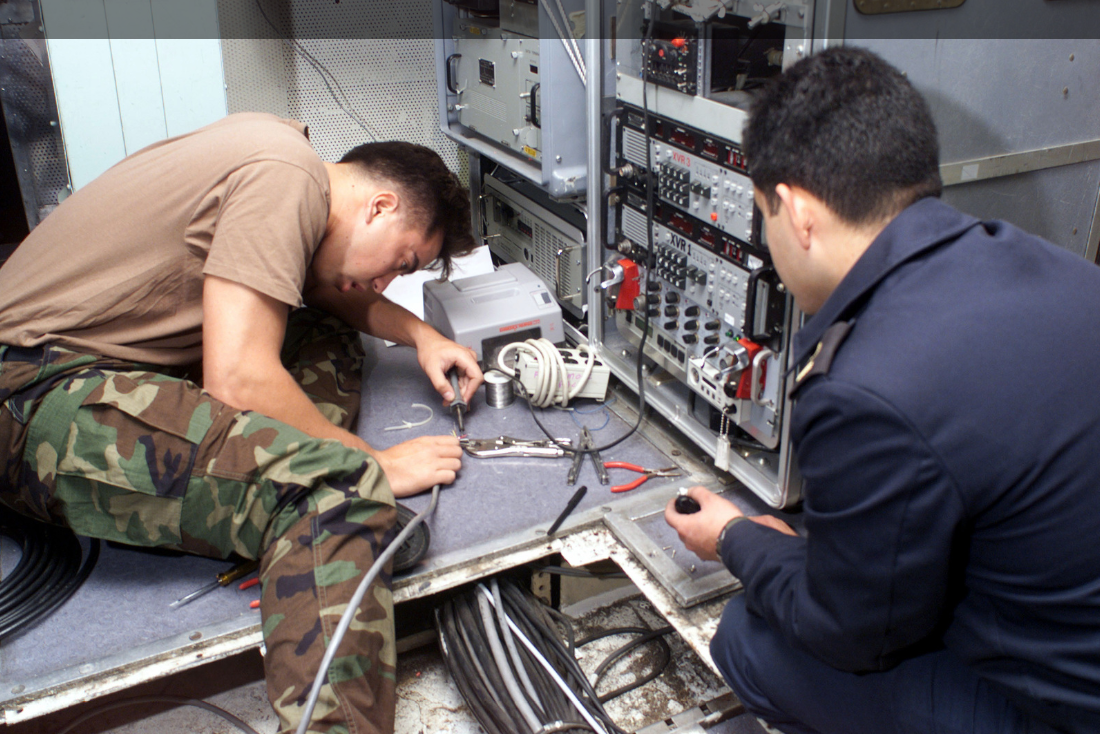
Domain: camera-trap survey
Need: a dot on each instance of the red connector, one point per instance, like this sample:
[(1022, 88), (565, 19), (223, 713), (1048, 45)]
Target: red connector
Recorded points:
[(630, 287), (744, 384)]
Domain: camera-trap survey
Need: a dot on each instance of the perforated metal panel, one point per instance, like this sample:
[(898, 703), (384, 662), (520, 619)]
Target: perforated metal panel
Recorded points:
[(31, 116), (387, 83)]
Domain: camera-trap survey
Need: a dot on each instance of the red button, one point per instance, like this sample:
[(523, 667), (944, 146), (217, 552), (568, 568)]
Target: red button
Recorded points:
[(714, 216), (679, 42), (661, 52)]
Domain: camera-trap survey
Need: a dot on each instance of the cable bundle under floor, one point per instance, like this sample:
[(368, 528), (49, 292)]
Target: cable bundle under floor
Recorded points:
[(48, 573), (513, 660)]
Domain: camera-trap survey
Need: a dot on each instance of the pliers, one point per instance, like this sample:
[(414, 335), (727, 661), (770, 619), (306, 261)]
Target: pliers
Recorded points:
[(671, 471)]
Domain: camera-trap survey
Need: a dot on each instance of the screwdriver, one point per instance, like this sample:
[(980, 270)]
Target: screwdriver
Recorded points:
[(458, 405), (224, 578)]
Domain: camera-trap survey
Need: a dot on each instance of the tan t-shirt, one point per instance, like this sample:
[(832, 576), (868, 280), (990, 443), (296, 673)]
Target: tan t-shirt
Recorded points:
[(117, 269)]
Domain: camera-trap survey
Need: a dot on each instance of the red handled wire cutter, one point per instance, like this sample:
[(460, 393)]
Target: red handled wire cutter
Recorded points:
[(671, 471)]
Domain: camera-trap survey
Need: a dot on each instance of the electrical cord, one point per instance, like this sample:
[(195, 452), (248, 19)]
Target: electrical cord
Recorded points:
[(353, 608), (49, 571), (479, 699), (327, 77), (554, 674), (176, 700), (499, 679), (503, 663), (555, 647), (651, 262), (647, 635), (552, 372), (510, 641), (561, 726)]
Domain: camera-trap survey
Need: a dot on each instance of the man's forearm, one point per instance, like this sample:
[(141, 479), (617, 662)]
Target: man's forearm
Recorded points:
[(276, 395), (387, 320), (372, 313)]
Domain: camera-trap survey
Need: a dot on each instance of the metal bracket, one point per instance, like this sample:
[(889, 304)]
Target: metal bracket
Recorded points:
[(692, 720), (1009, 164)]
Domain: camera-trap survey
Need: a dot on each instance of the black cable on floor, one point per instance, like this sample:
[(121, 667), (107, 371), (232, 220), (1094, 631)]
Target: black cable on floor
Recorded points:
[(175, 700), (49, 571), (647, 635)]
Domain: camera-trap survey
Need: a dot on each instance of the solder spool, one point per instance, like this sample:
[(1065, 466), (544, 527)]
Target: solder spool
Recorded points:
[(499, 392)]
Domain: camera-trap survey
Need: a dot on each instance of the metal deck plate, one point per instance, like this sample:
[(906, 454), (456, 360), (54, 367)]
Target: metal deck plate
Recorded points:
[(118, 631)]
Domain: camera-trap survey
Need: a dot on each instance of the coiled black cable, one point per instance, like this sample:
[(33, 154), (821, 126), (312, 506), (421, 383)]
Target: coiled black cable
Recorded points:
[(48, 573), (647, 635)]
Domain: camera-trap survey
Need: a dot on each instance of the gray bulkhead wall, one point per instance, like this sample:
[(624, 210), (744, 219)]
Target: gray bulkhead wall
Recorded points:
[(1021, 80)]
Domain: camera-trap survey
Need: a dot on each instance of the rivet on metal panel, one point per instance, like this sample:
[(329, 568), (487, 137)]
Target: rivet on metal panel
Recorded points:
[(195, 636)]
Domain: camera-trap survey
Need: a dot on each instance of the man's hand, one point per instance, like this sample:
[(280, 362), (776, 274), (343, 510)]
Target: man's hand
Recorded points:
[(437, 354), (421, 463), (374, 314), (699, 531)]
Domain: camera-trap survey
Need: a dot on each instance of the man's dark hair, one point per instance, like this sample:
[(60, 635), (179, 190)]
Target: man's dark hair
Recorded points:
[(847, 127), (433, 193)]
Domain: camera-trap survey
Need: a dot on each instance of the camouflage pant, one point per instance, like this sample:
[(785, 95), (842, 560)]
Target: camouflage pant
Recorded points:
[(128, 453)]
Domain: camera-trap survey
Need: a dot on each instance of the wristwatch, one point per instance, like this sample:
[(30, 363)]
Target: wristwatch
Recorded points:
[(722, 535)]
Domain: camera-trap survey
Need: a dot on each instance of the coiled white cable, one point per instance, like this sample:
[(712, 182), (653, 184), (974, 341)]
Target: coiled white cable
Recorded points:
[(552, 372)]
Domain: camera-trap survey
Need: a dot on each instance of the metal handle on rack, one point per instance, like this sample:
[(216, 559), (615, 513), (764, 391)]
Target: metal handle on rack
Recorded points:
[(750, 302), (533, 116), (757, 372), (450, 83)]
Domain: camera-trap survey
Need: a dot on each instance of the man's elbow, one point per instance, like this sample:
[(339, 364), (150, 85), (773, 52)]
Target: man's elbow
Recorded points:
[(240, 389)]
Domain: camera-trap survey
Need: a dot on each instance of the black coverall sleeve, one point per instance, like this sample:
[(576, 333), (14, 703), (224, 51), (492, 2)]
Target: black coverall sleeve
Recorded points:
[(872, 576)]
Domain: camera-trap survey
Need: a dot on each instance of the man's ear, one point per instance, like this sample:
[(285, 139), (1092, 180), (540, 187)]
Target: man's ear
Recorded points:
[(382, 203), (797, 207)]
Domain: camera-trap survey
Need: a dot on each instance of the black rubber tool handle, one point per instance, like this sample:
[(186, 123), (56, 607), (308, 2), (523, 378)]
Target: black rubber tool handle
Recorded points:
[(685, 505)]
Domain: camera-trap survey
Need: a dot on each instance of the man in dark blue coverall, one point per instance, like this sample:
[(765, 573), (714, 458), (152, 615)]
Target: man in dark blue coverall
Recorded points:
[(947, 428)]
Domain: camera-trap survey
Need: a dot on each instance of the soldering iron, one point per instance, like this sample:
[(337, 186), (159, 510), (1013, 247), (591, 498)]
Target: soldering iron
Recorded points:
[(458, 404)]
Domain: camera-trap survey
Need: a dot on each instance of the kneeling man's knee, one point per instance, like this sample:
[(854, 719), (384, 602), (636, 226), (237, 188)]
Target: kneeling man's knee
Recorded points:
[(741, 650)]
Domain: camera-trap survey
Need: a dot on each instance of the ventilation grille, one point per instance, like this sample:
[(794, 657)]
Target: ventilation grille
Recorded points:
[(634, 226), (388, 84), (634, 147), (31, 116), (486, 105), (545, 247)]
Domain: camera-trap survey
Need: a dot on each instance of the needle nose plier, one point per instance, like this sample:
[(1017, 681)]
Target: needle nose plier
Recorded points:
[(671, 471)]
